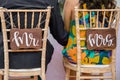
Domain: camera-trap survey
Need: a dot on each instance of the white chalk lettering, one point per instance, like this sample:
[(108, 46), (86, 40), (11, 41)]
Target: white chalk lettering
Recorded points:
[(98, 40), (28, 37)]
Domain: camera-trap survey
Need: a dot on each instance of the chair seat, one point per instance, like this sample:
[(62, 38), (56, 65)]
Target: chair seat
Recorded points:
[(86, 65), (86, 68), (24, 70), (90, 66)]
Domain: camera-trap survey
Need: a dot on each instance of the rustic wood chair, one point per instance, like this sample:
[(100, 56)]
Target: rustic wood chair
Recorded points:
[(43, 22), (92, 70)]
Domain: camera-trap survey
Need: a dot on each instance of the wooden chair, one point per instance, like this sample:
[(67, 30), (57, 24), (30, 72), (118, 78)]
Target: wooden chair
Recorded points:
[(92, 70), (14, 15)]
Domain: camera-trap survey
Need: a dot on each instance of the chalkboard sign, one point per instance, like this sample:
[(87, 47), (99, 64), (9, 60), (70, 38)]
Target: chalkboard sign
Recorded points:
[(25, 38), (101, 39)]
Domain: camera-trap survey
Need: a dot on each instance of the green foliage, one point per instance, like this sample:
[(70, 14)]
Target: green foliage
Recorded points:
[(61, 4)]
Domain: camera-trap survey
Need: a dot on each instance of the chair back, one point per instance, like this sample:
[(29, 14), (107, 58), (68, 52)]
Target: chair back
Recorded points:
[(93, 26), (14, 23)]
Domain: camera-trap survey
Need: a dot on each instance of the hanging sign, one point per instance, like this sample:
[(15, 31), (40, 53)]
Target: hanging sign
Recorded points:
[(25, 38), (101, 39)]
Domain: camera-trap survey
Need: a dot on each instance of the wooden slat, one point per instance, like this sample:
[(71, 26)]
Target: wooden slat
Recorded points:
[(40, 17), (84, 19), (32, 23), (103, 21), (90, 20), (25, 20), (18, 17), (11, 19), (97, 25)]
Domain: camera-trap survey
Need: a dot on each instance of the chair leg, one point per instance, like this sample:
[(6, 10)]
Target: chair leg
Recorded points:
[(113, 71), (78, 74), (35, 78), (86, 74), (72, 73), (42, 77), (6, 77), (67, 75), (113, 75), (101, 74), (1, 77)]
